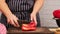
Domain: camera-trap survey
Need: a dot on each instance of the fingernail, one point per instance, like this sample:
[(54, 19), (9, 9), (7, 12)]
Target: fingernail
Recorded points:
[(18, 25)]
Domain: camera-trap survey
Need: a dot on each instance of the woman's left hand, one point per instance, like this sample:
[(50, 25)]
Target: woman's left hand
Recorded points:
[(33, 17)]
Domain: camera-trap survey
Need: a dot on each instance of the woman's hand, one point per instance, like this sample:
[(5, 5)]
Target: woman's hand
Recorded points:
[(37, 6), (33, 17), (12, 19)]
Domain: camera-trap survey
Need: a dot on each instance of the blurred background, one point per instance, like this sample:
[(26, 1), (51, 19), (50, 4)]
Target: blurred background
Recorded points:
[(46, 13)]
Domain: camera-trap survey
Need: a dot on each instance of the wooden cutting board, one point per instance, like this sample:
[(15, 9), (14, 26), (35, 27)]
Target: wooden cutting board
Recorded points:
[(37, 31)]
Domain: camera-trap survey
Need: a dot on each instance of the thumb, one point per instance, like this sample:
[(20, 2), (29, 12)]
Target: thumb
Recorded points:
[(31, 18)]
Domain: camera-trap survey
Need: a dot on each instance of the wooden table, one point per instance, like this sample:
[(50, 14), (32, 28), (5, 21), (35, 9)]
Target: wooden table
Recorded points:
[(37, 31)]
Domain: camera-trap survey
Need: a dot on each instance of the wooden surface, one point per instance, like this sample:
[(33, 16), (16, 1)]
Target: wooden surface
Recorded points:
[(37, 31), (55, 30)]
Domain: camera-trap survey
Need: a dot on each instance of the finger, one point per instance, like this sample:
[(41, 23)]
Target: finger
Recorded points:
[(17, 18), (16, 22), (35, 20), (8, 20), (12, 23)]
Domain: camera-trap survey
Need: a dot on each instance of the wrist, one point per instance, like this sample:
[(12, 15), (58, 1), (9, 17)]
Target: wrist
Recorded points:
[(34, 13), (8, 14)]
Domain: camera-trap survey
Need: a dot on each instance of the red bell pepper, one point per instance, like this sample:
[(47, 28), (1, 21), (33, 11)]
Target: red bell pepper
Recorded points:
[(29, 27)]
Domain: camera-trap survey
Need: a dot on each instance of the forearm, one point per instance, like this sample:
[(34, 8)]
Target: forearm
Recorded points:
[(4, 8), (38, 4)]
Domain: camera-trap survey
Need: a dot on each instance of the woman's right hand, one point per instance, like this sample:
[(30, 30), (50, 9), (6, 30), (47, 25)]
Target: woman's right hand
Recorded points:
[(12, 19)]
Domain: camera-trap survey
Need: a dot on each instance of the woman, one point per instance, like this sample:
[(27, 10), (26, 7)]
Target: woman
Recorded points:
[(12, 10)]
